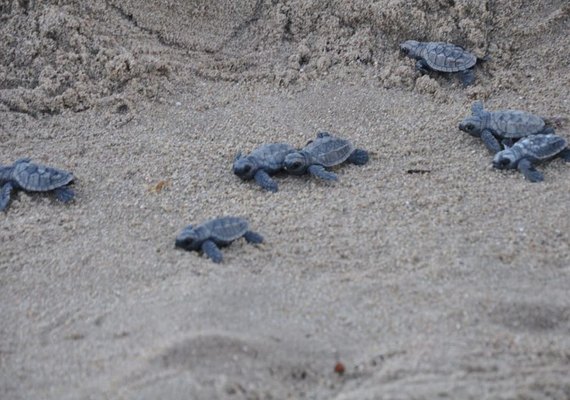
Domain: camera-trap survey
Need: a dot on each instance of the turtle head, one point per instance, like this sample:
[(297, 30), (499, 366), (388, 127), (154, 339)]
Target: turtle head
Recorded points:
[(296, 163), (505, 159), (244, 167), (322, 134), (472, 125), (188, 239), (409, 48)]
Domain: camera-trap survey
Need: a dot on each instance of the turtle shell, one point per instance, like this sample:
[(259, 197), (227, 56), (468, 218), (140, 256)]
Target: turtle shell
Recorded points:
[(447, 57), (271, 156), (329, 151), (226, 229), (541, 147), (515, 124), (39, 178)]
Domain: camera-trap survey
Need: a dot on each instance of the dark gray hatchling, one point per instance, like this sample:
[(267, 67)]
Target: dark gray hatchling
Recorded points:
[(442, 57), (262, 162), (324, 152), (31, 177), (216, 233), (529, 151), (503, 127)]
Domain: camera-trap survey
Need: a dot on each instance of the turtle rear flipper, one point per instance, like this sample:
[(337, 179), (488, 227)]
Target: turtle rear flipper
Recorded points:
[(490, 141), (5, 195), (64, 194), (565, 154), (358, 157), (265, 181), (529, 171), (467, 77), (253, 237), (320, 172), (212, 251)]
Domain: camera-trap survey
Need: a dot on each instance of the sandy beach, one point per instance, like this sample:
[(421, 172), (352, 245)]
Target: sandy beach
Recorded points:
[(449, 283)]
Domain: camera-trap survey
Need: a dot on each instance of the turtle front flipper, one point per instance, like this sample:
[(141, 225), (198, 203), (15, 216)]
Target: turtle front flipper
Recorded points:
[(508, 142), (529, 171), (265, 181), (320, 172), (212, 251), (64, 194), (477, 107), (548, 130), (467, 77), (422, 66), (490, 141), (358, 157), (5, 195), (253, 237)]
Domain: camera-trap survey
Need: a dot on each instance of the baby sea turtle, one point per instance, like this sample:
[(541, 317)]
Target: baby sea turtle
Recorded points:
[(507, 126), (325, 151), (264, 161), (529, 151), (441, 57), (31, 177), (216, 233)]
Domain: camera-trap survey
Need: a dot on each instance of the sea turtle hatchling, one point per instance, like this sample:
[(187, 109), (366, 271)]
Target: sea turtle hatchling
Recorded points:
[(507, 126), (533, 149), (441, 57), (262, 162), (31, 177), (215, 233), (323, 152)]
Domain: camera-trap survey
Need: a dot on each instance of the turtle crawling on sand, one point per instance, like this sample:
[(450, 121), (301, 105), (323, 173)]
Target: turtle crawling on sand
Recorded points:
[(31, 177), (529, 151), (507, 126), (216, 233), (441, 57), (264, 161), (323, 152)]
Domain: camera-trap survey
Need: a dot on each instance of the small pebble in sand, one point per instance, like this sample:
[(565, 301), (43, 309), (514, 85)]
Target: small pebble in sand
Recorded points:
[(339, 368)]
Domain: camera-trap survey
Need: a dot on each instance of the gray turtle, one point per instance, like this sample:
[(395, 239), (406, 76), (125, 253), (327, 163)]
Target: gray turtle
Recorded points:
[(31, 177), (264, 161), (508, 126), (533, 149), (323, 152), (216, 233), (441, 57)]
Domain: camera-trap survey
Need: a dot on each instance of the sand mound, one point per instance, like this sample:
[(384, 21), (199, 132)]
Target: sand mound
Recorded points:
[(72, 56), (58, 57)]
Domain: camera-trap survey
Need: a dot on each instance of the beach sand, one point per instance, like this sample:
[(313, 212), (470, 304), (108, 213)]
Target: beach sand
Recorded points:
[(451, 283)]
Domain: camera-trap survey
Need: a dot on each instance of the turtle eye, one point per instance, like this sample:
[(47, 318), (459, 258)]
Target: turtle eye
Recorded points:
[(296, 165), (504, 162), (246, 169), (470, 127)]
